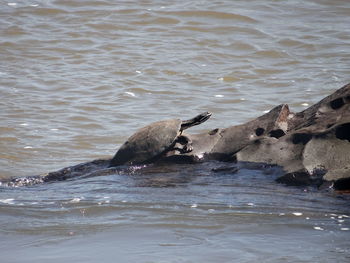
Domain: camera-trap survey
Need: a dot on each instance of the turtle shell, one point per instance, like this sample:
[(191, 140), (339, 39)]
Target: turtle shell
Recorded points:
[(148, 142)]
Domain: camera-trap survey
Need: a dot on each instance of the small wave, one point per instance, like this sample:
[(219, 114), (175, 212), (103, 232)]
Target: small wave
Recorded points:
[(45, 11), (9, 201), (86, 3), (214, 14), (271, 54), (157, 21)]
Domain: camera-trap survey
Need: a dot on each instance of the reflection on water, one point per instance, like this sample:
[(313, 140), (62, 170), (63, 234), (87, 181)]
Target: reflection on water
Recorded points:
[(78, 77)]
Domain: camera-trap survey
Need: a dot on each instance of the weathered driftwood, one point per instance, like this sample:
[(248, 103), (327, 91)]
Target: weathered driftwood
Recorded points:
[(313, 146), (316, 147)]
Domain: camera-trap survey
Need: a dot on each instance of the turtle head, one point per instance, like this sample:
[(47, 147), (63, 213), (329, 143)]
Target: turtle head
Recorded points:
[(195, 121)]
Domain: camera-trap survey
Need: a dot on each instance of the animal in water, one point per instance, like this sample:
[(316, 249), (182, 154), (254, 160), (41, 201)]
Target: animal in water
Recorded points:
[(152, 141)]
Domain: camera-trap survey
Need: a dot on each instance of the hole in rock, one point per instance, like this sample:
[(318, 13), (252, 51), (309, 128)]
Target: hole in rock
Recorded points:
[(303, 138), (343, 132), (182, 140), (337, 103), (277, 133), (257, 142), (213, 132), (259, 131)]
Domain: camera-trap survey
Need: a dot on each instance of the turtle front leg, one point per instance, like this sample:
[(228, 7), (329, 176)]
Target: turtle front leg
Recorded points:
[(183, 144)]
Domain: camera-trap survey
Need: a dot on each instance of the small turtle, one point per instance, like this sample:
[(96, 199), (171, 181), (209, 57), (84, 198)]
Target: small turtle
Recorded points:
[(150, 142)]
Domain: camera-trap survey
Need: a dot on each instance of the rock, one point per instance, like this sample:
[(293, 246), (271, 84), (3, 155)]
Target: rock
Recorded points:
[(235, 138), (223, 144), (312, 146), (282, 152), (317, 141)]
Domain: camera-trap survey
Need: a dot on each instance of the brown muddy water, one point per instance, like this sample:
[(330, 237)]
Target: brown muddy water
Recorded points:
[(78, 77)]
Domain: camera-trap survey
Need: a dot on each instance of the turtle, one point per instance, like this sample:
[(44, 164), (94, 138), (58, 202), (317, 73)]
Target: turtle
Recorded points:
[(150, 142)]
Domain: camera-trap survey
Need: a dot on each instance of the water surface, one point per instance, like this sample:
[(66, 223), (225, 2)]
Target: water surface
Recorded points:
[(78, 77)]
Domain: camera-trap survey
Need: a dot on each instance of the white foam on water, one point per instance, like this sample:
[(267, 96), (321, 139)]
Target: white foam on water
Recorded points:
[(345, 229), (24, 124), (194, 206), (28, 147), (305, 104), (8, 201), (219, 96), (318, 228), (11, 4), (130, 93), (75, 200), (297, 214)]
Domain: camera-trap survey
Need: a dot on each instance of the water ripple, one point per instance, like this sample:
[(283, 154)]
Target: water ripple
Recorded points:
[(78, 77)]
